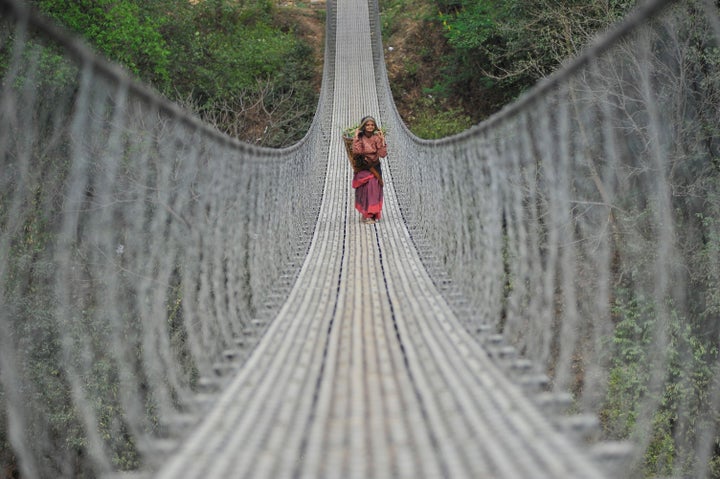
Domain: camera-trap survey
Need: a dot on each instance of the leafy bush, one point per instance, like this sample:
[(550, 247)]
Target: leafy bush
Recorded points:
[(122, 30), (213, 56), (432, 121), (514, 43)]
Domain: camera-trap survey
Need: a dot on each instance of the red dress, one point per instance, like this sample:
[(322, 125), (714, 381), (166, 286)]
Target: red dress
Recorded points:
[(368, 192)]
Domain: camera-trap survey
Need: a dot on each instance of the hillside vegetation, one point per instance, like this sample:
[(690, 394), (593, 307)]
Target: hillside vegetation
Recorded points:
[(453, 63), (253, 67), (250, 67)]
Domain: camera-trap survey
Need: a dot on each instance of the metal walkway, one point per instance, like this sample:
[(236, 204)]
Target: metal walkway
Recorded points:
[(366, 373)]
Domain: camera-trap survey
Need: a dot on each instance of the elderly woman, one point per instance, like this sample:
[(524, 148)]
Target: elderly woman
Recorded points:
[(369, 142)]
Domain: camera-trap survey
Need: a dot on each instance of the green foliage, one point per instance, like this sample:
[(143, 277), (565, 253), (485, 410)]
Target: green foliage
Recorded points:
[(254, 53), (426, 104), (684, 392), (217, 50), (433, 121), (215, 56), (507, 46), (485, 53), (231, 57), (47, 72), (120, 29), (472, 25), (52, 422), (705, 274)]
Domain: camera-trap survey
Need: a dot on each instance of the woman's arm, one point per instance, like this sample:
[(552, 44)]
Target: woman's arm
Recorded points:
[(380, 145)]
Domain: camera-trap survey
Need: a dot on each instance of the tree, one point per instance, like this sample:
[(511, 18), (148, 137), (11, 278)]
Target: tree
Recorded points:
[(207, 55), (510, 45), (122, 30)]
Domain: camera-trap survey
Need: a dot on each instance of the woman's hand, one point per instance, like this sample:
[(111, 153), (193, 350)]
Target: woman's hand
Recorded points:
[(381, 135)]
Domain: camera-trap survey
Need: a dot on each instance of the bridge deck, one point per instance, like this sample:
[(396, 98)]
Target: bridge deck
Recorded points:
[(366, 372)]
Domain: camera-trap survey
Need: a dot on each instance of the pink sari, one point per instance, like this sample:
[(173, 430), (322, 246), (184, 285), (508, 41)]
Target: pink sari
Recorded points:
[(368, 194)]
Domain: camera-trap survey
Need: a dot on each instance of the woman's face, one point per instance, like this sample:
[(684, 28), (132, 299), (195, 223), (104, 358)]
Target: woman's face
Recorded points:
[(369, 127)]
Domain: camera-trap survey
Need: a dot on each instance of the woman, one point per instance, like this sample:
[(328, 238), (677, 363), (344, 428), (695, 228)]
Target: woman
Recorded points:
[(369, 142)]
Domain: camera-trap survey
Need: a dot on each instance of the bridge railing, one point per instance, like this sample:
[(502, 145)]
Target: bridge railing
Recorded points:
[(583, 223), (137, 246)]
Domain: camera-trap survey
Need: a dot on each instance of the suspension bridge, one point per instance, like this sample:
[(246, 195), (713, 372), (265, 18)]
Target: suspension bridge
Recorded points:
[(221, 308)]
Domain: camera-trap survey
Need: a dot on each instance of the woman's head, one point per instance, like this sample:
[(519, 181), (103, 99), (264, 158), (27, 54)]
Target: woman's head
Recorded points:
[(369, 123)]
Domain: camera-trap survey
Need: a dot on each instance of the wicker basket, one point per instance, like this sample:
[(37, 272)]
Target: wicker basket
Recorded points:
[(348, 141)]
